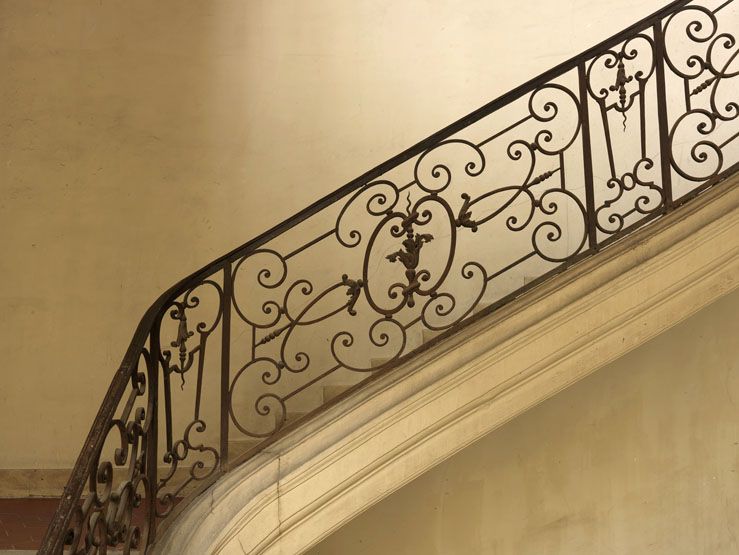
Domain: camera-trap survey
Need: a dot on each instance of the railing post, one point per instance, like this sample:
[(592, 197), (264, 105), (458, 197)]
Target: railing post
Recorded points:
[(152, 434), (587, 158), (225, 360), (664, 131)]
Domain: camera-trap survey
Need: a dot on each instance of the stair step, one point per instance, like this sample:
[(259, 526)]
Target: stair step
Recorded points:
[(242, 445), (290, 417), (377, 363), (480, 307), (428, 335), (332, 391), (236, 447)]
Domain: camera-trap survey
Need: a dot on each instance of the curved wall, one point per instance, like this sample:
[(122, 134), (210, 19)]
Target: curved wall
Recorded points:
[(640, 457)]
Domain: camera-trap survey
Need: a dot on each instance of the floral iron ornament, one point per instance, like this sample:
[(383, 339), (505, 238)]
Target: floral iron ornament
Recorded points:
[(622, 79), (353, 291), (183, 333), (409, 256)]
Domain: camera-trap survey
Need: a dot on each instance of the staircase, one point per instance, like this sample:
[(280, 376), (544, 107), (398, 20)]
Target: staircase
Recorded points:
[(298, 379)]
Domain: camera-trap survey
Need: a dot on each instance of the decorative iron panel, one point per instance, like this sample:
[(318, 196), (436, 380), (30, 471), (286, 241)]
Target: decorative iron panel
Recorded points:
[(410, 252)]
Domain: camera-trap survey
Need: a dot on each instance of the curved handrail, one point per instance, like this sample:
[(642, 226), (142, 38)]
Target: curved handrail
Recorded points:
[(105, 518)]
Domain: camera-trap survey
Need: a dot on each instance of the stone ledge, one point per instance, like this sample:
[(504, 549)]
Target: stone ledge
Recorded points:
[(16, 483)]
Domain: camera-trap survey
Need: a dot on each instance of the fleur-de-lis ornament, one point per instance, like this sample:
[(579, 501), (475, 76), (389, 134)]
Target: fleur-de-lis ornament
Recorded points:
[(622, 79)]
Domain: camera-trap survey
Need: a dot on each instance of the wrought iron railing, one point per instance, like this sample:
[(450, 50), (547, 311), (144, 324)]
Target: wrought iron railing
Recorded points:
[(402, 256)]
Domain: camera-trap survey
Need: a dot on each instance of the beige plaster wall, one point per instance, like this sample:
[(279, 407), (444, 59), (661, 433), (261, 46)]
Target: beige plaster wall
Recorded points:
[(139, 140), (640, 457)]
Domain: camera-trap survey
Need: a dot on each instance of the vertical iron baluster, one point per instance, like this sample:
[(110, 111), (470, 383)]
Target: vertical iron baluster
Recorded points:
[(152, 445), (664, 131), (587, 156), (225, 360), (167, 404)]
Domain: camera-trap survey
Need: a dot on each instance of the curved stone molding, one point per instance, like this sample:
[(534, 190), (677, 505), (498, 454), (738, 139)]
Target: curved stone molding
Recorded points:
[(315, 479)]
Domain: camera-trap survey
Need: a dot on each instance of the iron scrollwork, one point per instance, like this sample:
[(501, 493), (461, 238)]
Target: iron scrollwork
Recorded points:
[(460, 224), (203, 459), (118, 485), (706, 69)]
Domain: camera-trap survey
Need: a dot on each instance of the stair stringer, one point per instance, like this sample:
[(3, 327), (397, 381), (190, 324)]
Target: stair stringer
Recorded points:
[(315, 479)]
